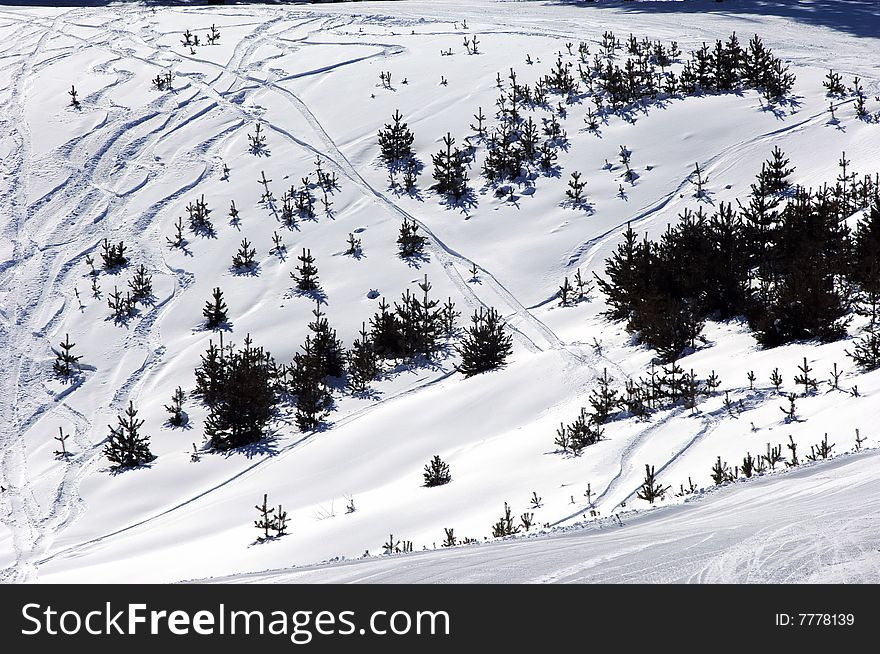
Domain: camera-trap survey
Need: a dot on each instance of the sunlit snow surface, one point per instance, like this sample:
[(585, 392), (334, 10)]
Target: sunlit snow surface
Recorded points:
[(125, 165)]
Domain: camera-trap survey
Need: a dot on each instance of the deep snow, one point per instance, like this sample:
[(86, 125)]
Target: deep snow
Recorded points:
[(126, 164)]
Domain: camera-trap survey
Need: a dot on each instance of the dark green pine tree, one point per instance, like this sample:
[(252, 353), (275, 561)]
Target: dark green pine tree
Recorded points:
[(486, 345), (396, 140), (215, 311), (326, 348), (604, 399), (65, 360), (307, 277), (778, 172), (363, 362), (313, 398), (126, 446), (211, 374), (865, 267), (246, 398), (409, 242), (450, 170), (177, 416), (386, 333), (809, 299), (141, 285), (437, 472)]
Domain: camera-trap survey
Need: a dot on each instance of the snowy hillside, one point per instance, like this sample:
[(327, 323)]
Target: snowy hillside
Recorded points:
[(126, 162)]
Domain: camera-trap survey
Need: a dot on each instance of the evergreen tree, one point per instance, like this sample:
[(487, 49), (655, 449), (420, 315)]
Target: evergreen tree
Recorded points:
[(126, 446), (65, 360), (175, 409), (313, 399), (604, 399), (245, 258), (386, 333), (437, 472), (215, 311), (211, 374), (410, 243), (307, 279), (396, 140), (141, 285), (450, 170), (326, 348), (245, 399), (486, 345), (363, 362), (651, 490), (778, 172)]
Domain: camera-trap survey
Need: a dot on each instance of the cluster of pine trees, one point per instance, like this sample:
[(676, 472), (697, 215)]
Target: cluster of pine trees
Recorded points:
[(785, 258), (659, 389)]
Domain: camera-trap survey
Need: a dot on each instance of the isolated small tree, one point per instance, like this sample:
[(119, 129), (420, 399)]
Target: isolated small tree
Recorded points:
[(127, 447), (699, 181), (650, 490), (396, 140), (74, 100), (504, 526), (245, 258), (257, 140), (175, 409), (266, 522), (307, 277), (65, 361), (575, 191), (354, 246), (437, 472), (410, 243), (215, 311), (141, 285), (486, 344), (810, 384), (63, 453)]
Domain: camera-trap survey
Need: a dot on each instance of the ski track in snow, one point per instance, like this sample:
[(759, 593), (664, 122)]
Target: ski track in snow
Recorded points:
[(47, 252), (34, 537)]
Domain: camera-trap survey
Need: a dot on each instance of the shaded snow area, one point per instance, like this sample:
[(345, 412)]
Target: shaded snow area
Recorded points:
[(125, 164)]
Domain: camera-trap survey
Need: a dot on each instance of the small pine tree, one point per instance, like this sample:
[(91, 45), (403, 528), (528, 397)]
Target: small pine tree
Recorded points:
[(437, 472), (141, 285), (396, 140), (307, 277), (245, 258), (215, 311), (650, 490), (63, 453), (410, 243), (450, 170), (175, 409), (486, 344), (504, 526), (266, 521), (127, 447), (363, 362), (65, 360)]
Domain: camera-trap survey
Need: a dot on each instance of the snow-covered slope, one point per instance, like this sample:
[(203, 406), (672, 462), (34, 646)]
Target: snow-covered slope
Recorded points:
[(816, 524), (125, 165)]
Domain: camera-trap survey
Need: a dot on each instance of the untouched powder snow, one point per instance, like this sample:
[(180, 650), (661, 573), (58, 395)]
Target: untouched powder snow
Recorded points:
[(126, 164)]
